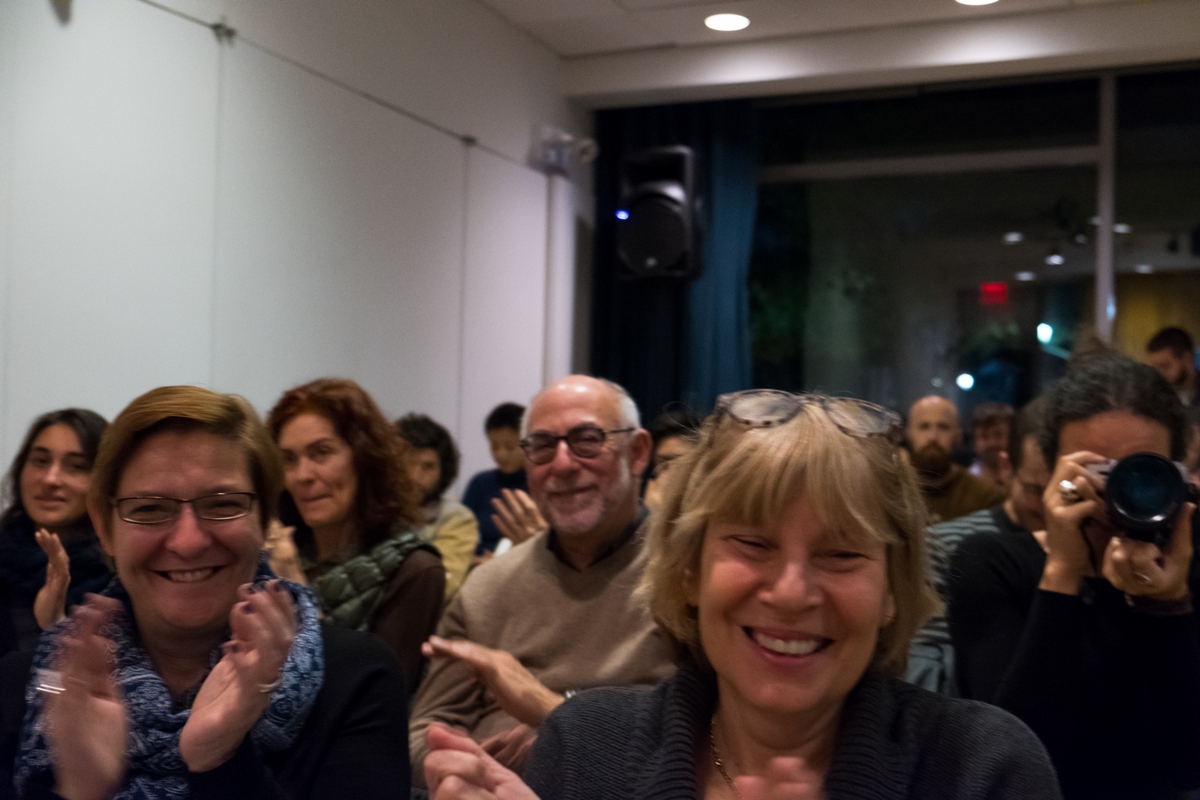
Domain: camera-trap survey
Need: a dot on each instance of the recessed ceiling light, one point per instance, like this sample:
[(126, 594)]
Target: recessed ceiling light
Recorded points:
[(1014, 237), (1121, 227), (1026, 276), (727, 22), (1054, 259), (976, 2), (1143, 269)]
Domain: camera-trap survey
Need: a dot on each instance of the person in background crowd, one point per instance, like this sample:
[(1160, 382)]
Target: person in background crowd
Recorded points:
[(432, 463), (197, 674), (674, 434), (499, 497), (788, 568), (1088, 636), (49, 554), (931, 657), (355, 515), (990, 424), (556, 614), (949, 490), (1173, 355)]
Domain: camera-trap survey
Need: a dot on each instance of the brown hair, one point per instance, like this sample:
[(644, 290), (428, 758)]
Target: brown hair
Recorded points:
[(188, 408), (858, 485), (386, 496)]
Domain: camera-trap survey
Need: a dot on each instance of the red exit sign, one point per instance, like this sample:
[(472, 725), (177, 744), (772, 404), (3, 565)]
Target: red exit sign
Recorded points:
[(993, 294)]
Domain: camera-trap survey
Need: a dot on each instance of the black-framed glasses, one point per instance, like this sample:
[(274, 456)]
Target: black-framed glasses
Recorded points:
[(585, 441), (159, 510), (765, 408)]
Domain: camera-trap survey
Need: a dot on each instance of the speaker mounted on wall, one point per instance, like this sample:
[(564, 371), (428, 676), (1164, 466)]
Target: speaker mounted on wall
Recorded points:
[(658, 231)]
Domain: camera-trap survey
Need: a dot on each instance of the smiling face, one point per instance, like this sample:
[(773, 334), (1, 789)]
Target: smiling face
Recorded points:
[(55, 479), (319, 471), (789, 614), (580, 495), (182, 576)]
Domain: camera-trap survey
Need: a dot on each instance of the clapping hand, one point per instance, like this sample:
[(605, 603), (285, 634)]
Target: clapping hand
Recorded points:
[(786, 779), (238, 690), (281, 549), (86, 724), (459, 769), (517, 691), (50, 605), (517, 516)]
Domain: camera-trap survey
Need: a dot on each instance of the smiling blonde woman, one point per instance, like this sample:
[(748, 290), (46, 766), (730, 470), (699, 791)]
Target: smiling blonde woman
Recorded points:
[(788, 566)]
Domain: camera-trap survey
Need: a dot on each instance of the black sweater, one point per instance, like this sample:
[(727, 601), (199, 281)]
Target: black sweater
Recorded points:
[(894, 741), (1113, 693), (353, 745)]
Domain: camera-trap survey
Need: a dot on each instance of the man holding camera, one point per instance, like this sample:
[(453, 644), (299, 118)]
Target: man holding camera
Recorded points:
[(1086, 630)]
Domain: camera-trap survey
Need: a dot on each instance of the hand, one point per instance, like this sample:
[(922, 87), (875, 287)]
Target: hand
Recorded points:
[(1068, 559), (281, 549), (459, 769), (518, 693), (517, 516), (86, 725), (786, 779), (511, 749), (1143, 569), (50, 605), (230, 701)]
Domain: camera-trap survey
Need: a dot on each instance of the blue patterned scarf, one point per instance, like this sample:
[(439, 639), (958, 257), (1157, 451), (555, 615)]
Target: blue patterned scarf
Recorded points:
[(156, 770)]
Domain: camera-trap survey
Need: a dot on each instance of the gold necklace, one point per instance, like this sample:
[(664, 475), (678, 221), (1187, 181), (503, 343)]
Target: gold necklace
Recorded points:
[(716, 754)]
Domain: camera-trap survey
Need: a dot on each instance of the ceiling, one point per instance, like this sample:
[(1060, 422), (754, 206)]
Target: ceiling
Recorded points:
[(590, 27)]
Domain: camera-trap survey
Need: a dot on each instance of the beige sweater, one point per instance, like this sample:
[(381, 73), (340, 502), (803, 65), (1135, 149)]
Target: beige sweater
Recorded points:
[(571, 629)]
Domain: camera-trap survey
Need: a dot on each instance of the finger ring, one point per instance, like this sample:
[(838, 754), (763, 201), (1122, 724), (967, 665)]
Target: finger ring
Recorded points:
[(1141, 577), (267, 688), (49, 681), (1068, 491)]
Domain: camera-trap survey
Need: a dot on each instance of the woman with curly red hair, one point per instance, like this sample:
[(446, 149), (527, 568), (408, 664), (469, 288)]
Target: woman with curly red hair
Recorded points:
[(355, 514)]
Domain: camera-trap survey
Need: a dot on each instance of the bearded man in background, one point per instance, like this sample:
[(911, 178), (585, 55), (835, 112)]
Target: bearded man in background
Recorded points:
[(950, 491)]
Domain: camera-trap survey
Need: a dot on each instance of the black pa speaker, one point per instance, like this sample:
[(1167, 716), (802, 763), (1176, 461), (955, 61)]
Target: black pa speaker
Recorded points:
[(658, 231)]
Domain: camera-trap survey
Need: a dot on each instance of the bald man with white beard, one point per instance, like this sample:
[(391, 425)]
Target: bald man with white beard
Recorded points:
[(556, 613), (950, 491)]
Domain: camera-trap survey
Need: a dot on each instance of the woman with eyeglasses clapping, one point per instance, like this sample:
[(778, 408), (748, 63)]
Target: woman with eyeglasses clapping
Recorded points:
[(198, 673), (787, 564)]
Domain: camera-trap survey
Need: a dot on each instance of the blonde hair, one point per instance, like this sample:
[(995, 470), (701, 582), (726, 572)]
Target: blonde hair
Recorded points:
[(859, 486), (189, 408)]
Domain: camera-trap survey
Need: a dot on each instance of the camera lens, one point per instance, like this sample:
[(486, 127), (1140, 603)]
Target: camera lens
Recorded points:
[(1144, 492)]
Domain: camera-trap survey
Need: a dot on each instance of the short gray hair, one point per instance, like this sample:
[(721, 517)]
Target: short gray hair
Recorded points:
[(626, 407)]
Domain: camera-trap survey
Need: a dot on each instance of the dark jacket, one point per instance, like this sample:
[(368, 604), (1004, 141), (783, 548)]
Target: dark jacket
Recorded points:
[(895, 741), (1112, 691), (354, 743)]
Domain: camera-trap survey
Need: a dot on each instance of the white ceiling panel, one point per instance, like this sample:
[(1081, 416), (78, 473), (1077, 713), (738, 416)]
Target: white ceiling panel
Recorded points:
[(532, 11), (598, 35), (589, 27)]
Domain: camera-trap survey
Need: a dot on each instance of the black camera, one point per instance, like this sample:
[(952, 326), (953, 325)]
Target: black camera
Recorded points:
[(1144, 493)]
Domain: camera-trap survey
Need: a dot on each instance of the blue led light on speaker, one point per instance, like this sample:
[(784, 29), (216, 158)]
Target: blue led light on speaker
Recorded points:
[(622, 214)]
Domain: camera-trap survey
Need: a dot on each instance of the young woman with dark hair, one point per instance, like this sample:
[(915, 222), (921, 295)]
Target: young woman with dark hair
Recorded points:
[(432, 463), (46, 489), (1084, 632), (356, 515)]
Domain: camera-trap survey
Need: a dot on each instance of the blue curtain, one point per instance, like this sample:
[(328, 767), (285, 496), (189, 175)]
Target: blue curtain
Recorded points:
[(667, 340), (719, 358)]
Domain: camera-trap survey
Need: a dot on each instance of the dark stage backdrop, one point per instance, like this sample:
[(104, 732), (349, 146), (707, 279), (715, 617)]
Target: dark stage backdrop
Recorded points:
[(671, 340)]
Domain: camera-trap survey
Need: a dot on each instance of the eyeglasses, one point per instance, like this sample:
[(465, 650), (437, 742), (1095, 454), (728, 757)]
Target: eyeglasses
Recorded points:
[(585, 441), (766, 408), (159, 510)]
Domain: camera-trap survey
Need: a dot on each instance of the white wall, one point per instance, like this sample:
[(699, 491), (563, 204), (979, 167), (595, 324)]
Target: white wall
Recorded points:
[(251, 215)]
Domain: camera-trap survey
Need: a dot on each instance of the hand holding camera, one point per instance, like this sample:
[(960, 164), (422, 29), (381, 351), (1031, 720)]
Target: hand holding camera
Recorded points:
[(1128, 520)]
